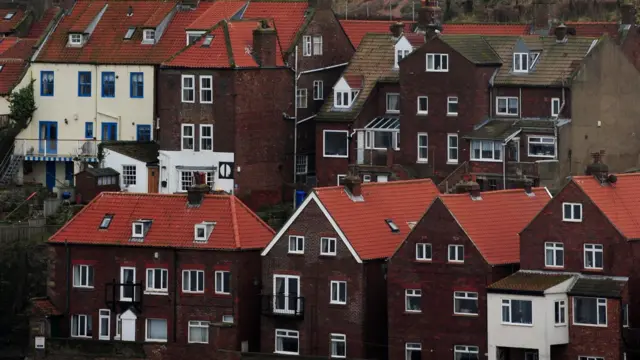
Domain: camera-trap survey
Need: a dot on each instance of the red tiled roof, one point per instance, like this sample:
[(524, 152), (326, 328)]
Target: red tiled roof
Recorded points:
[(14, 58), (217, 11), (363, 223), (357, 29), (593, 29), (39, 27), (288, 17), (173, 224), (354, 81), (236, 52), (486, 29), (494, 234), (7, 26), (415, 39), (620, 202), (44, 307)]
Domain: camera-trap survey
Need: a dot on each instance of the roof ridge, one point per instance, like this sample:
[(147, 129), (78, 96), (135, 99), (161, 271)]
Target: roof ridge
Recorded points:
[(234, 222), (372, 184), (493, 192)]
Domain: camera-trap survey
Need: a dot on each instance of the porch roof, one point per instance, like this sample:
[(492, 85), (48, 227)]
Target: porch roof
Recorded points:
[(529, 281), (384, 123), (599, 286), (501, 129)]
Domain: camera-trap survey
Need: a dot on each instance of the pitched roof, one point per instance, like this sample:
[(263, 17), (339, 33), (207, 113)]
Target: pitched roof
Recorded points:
[(231, 47), (39, 27), (494, 235), (474, 48), (146, 152), (619, 202), (14, 59), (363, 222), (592, 28), (213, 13), (236, 226), (288, 17), (102, 171), (534, 281), (373, 62), (486, 29), (44, 307), (8, 26), (357, 29)]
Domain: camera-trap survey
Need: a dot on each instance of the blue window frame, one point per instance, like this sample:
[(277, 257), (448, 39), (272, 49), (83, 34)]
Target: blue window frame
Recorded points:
[(88, 130), (137, 85), (46, 83), (108, 84), (143, 133), (84, 83), (109, 131)]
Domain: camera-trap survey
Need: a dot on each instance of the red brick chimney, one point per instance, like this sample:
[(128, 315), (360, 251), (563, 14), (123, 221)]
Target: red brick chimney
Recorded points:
[(397, 29), (474, 190), (353, 184), (429, 14), (264, 44), (627, 14)]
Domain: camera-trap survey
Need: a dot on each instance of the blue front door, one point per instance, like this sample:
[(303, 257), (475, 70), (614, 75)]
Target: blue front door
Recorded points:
[(48, 137), (109, 131), (68, 172), (51, 174)]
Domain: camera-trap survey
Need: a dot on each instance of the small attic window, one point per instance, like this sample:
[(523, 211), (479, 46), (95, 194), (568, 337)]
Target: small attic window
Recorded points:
[(202, 231), (149, 36), (129, 33), (521, 62), (533, 58), (207, 40), (392, 225), (75, 39), (106, 221), (10, 15), (140, 228), (411, 224)]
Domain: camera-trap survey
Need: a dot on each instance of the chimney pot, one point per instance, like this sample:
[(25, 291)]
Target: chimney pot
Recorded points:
[(474, 189), (598, 169), (627, 14), (264, 44), (561, 33), (353, 184), (130, 11), (397, 29), (528, 185), (429, 15)]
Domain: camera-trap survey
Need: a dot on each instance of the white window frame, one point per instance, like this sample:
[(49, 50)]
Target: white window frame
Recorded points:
[(287, 304), (571, 217), (77, 283), (298, 244), (137, 229), (332, 246), (317, 45), (424, 247), (129, 175), (291, 334), (419, 110), (444, 59), (594, 250), (452, 100), (522, 66), (412, 293), (400, 54), (198, 228), (104, 314), (183, 136), (146, 330), (302, 164), (150, 288), (203, 137), (465, 295), (75, 39), (340, 177), (506, 100), (599, 305), (301, 98), (560, 313), (422, 160), (554, 247), (149, 36), (187, 284), (324, 140), (625, 315), (391, 111), (409, 348), (594, 357), (318, 90), (459, 250), (194, 34), (204, 89), (337, 287), (465, 349), (197, 324), (87, 319), (220, 282), (555, 103), (508, 303), (335, 339), (307, 47), (451, 160), (366, 178), (540, 140), (494, 144), (191, 89), (227, 319)]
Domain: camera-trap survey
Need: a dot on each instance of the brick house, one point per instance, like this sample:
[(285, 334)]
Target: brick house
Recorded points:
[(576, 286), (460, 245), (323, 274), (174, 270)]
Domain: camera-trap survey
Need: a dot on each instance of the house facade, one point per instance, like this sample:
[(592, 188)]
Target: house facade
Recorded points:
[(175, 274), (136, 162), (437, 277), (323, 274)]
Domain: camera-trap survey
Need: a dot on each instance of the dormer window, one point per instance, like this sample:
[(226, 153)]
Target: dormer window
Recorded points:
[(139, 229), (75, 39), (344, 99), (149, 36), (202, 231), (400, 54), (403, 49), (193, 36), (10, 15), (521, 62), (129, 33), (533, 58)]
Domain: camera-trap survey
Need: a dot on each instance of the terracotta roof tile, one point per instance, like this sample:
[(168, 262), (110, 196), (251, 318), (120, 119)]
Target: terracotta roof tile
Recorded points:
[(357, 29), (593, 29), (530, 281), (484, 221), (287, 15), (363, 223), (8, 26), (44, 307), (14, 58), (620, 202), (354, 81), (219, 10), (236, 226), (486, 29), (39, 27)]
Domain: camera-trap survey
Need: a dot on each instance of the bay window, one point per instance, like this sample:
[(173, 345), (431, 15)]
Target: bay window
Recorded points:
[(486, 150), (542, 146)]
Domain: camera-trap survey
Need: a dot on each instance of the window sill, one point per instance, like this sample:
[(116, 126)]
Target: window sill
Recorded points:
[(286, 352), (391, 112), (422, 113), (452, 163), (559, 325), (451, 262), (151, 292), (221, 295), (82, 337), (328, 255), (192, 293), (593, 270), (421, 261), (553, 267), (487, 160), (155, 341), (422, 161), (572, 220), (295, 253), (452, 114), (412, 312), (465, 315), (84, 288), (337, 304), (504, 114), (336, 156), (590, 325), (514, 324), (542, 156)]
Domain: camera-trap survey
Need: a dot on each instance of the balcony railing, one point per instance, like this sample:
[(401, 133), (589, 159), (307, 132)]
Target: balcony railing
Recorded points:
[(372, 157), (54, 147), (123, 295), (283, 305)]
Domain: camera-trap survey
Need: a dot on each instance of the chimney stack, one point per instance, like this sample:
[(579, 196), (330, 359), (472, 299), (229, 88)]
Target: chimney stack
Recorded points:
[(130, 11), (528, 185), (397, 29), (321, 4), (353, 184), (196, 193), (264, 44), (474, 190), (541, 15), (429, 15), (598, 169), (627, 13), (561, 33)]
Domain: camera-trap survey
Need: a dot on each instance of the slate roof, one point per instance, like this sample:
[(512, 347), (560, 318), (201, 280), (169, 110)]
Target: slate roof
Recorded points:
[(144, 151), (373, 61), (102, 171), (173, 222), (602, 287), (231, 47), (500, 129), (495, 236), (619, 202), (38, 28), (288, 17), (363, 223), (530, 281), (14, 59), (556, 63)]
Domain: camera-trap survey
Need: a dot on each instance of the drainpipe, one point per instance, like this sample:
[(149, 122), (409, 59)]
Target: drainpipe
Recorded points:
[(555, 122), (295, 126), (175, 295), (504, 165), (68, 270)]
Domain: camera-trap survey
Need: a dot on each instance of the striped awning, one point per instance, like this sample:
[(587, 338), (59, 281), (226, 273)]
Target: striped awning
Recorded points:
[(384, 123), (58, 158)]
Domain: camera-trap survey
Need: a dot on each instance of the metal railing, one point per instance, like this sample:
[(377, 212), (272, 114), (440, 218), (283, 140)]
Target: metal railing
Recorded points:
[(283, 305), (51, 147), (118, 293)]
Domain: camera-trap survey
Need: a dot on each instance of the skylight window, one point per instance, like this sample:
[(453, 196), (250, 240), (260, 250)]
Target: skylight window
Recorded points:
[(129, 33), (1, 66), (207, 40), (392, 225), (10, 15), (106, 221)]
